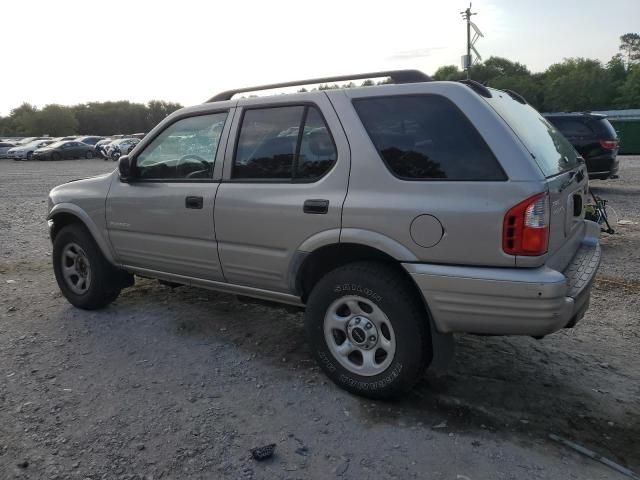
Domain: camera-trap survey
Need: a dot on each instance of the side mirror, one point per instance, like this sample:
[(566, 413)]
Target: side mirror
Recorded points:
[(125, 168)]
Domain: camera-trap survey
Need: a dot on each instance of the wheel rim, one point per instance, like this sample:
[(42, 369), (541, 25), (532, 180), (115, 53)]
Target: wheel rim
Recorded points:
[(76, 268), (359, 335)]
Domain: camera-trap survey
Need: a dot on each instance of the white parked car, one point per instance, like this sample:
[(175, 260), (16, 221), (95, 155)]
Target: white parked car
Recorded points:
[(25, 152), (119, 147)]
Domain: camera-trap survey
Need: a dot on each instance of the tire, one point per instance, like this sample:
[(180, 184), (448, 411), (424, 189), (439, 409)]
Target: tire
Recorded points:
[(89, 155), (55, 156), (377, 300), (29, 155), (101, 281)]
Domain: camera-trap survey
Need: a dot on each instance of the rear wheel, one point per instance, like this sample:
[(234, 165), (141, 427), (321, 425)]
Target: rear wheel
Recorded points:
[(29, 155), (368, 329), (89, 154), (84, 276)]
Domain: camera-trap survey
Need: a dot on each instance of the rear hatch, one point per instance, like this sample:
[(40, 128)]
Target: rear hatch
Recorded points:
[(561, 165)]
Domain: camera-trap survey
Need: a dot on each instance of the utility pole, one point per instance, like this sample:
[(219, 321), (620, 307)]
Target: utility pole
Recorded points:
[(467, 60)]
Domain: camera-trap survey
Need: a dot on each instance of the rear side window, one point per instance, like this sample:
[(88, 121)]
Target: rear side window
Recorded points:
[(426, 137), (283, 143)]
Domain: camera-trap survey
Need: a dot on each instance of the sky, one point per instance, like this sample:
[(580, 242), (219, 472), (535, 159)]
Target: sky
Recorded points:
[(73, 51)]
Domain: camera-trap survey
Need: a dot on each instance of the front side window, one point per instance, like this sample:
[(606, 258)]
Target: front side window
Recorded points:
[(426, 137), (186, 150), (283, 143)]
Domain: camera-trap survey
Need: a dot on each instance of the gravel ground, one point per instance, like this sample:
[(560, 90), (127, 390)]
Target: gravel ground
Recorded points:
[(182, 383)]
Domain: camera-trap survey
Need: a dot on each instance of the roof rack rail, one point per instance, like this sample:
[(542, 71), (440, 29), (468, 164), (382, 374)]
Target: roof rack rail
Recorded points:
[(516, 96), (477, 87), (398, 76)]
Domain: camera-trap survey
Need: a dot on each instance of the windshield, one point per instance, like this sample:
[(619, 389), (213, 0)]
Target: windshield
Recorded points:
[(552, 152), (57, 144)]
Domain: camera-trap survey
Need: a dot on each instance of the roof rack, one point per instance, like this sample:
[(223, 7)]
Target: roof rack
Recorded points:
[(477, 87), (398, 76), (516, 96)]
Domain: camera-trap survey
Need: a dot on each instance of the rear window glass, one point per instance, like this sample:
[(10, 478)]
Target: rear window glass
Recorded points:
[(604, 128), (426, 137), (571, 127), (551, 150)]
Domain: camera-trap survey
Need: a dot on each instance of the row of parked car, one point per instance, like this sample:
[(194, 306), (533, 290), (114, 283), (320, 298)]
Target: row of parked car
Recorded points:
[(88, 146)]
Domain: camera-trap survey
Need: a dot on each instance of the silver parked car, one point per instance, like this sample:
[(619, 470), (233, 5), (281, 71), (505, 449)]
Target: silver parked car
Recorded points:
[(395, 215), (5, 147), (26, 151)]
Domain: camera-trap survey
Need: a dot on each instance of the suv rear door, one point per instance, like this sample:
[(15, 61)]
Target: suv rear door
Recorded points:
[(284, 182)]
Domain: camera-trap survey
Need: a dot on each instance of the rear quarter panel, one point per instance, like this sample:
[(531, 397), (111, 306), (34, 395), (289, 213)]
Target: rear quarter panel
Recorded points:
[(471, 213)]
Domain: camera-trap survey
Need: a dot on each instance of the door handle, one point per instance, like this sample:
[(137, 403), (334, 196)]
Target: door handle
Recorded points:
[(193, 202), (316, 206)]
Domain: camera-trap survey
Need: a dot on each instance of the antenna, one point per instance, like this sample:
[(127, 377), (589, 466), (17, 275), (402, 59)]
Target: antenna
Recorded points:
[(467, 60)]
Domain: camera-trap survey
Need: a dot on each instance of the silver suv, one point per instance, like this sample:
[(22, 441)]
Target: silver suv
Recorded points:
[(395, 215)]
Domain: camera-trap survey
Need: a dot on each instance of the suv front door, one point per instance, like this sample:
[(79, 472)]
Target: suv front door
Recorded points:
[(162, 220), (283, 184)]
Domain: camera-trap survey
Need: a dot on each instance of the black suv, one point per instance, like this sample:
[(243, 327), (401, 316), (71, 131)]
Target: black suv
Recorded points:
[(593, 137)]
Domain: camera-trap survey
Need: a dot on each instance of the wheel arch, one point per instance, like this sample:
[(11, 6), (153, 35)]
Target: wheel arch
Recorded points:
[(325, 252), (62, 215)]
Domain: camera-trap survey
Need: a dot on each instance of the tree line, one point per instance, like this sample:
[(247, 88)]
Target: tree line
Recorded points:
[(575, 84), (94, 118)]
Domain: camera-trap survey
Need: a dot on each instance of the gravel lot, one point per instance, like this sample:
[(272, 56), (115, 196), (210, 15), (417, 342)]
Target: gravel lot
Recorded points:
[(182, 383)]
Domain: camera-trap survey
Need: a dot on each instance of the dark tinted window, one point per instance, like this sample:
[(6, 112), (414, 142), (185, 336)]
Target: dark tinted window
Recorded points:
[(283, 143), (267, 143), (317, 151), (184, 150), (603, 128), (427, 137), (571, 127)]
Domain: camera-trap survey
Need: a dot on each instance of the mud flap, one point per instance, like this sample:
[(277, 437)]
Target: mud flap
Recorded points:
[(443, 350)]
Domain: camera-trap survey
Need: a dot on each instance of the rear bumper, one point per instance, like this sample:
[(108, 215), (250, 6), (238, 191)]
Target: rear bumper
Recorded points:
[(602, 167), (508, 301)]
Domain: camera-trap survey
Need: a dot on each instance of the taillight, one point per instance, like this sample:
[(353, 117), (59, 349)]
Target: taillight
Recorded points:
[(526, 227), (609, 144)]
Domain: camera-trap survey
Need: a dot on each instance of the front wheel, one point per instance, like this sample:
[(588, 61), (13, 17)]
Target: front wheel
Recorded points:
[(84, 276), (368, 329), (29, 155), (55, 156)]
